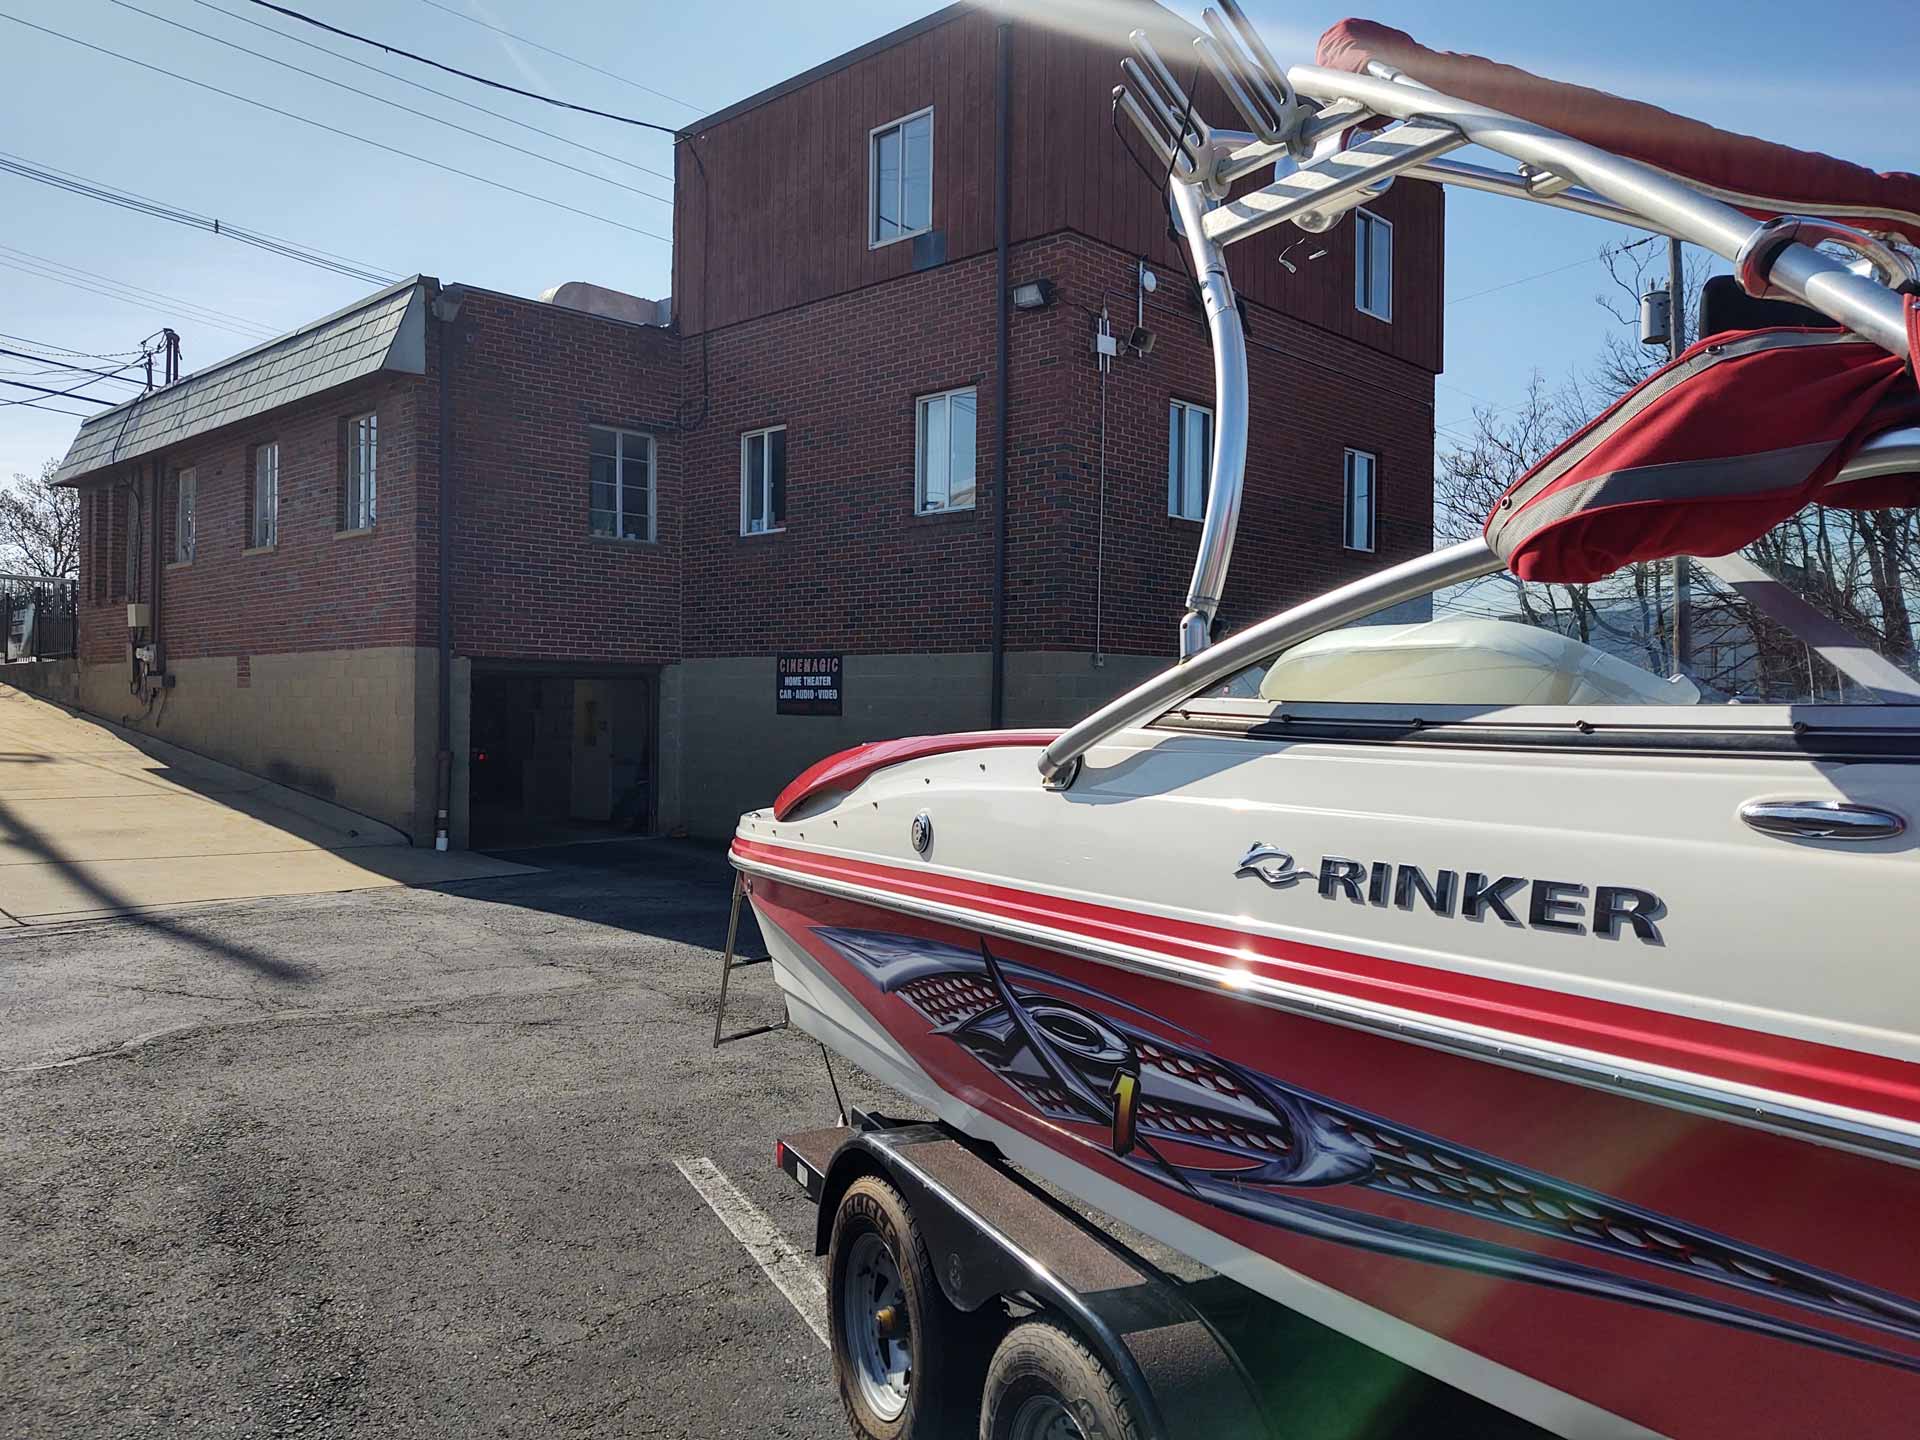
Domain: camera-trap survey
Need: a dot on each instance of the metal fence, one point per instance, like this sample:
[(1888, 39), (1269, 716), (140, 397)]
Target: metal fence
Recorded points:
[(38, 618)]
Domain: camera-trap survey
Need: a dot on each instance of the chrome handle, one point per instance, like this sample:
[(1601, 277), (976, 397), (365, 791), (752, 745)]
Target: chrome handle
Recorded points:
[(1821, 820)]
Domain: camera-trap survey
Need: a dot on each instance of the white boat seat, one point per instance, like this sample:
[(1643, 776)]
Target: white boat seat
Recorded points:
[(1463, 662)]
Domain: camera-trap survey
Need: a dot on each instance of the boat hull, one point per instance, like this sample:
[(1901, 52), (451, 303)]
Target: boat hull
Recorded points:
[(1594, 1262)]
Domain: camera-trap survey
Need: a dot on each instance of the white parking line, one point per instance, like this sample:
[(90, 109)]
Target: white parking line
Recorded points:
[(796, 1275)]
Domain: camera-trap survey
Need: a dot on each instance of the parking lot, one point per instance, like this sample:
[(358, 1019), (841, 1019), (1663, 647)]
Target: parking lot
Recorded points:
[(401, 1162)]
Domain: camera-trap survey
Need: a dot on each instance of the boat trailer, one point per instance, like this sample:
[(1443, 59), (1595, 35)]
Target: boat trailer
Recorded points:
[(1192, 1357)]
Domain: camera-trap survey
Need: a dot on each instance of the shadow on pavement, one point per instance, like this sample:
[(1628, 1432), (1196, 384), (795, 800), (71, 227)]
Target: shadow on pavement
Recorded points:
[(672, 889), (31, 840)]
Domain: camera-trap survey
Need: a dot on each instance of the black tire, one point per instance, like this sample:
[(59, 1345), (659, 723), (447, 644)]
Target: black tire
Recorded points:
[(1040, 1366), (947, 1347)]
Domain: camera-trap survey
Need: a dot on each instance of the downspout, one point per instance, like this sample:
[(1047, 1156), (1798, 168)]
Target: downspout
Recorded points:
[(446, 310), (1003, 304), (156, 553)]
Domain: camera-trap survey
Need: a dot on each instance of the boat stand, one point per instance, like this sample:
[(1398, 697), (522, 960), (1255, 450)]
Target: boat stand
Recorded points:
[(728, 964)]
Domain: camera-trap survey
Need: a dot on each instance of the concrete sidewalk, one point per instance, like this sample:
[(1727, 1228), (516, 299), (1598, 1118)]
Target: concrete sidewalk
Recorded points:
[(95, 820)]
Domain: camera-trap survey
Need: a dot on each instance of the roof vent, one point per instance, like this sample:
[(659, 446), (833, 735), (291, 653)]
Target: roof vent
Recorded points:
[(614, 304)]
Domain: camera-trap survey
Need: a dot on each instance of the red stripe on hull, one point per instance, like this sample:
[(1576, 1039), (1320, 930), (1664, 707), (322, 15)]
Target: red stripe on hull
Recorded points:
[(1681, 1376), (1802, 1069)]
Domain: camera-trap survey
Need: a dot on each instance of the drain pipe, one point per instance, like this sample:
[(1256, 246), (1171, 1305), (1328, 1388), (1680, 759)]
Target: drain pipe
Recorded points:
[(1003, 224), (446, 310), (156, 553)]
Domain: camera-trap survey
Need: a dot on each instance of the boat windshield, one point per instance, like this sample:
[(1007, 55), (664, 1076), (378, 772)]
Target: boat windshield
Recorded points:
[(1821, 611)]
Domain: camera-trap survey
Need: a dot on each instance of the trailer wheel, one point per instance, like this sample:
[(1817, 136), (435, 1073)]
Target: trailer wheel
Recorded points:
[(907, 1363), (1045, 1385)]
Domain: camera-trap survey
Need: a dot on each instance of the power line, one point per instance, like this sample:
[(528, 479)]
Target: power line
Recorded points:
[(464, 74), (129, 200), (334, 129), (74, 393), (83, 369), (560, 54), (139, 302), (54, 409), (95, 276), (395, 104), (428, 89), (1543, 274), (62, 350)]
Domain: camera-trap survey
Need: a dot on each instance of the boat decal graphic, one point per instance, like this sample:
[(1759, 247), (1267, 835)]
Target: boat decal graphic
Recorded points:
[(1231, 1137)]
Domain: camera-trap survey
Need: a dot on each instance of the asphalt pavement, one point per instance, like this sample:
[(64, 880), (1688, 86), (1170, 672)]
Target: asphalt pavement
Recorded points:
[(401, 1162), (453, 1161)]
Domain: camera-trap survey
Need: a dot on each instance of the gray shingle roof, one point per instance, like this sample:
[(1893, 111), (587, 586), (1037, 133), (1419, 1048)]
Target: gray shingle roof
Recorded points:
[(387, 331)]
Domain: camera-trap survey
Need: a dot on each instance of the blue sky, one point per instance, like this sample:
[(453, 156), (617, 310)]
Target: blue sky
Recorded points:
[(1793, 72)]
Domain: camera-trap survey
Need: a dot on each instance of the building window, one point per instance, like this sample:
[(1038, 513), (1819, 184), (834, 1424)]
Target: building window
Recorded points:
[(1189, 459), (763, 481), (944, 452), (1362, 494), (1373, 265), (363, 471), (620, 482), (185, 486), (264, 522), (900, 183)]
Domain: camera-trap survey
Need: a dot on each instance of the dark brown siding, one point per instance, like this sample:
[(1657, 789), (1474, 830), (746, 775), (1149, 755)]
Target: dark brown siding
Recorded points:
[(789, 175)]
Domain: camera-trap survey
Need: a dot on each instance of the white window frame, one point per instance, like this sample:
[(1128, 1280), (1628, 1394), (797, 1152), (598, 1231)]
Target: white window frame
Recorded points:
[(1349, 533), (1367, 226), (621, 440), (920, 404), (186, 487), (1176, 460), (874, 242), (266, 496), (764, 480), (363, 471)]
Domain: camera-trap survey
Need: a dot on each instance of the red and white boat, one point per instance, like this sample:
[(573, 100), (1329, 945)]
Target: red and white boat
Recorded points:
[(1546, 1022)]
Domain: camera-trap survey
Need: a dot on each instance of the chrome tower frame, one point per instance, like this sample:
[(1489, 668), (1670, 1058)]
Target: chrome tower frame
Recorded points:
[(1302, 120)]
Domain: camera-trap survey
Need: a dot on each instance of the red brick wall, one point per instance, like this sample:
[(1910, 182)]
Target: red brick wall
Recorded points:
[(1314, 395), (314, 590), (857, 570), (802, 156), (531, 581)]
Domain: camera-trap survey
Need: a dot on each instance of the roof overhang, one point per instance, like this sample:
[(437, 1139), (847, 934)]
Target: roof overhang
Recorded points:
[(386, 332)]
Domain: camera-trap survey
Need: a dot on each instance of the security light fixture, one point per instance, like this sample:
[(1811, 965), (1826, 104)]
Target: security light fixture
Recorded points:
[(1034, 295), (1141, 340)]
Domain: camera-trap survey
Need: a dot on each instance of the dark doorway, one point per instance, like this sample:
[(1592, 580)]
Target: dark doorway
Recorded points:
[(559, 757)]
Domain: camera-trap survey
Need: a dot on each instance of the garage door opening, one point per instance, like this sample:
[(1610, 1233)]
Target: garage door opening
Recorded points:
[(559, 758)]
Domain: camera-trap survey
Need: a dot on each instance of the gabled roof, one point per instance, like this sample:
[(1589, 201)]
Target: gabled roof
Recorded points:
[(384, 332)]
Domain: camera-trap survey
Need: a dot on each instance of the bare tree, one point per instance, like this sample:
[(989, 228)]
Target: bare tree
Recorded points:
[(39, 527), (1621, 614), (1632, 269), (1862, 568)]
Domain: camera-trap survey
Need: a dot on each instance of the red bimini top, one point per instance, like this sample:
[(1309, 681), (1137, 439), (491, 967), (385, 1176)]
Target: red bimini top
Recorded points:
[(1708, 453), (1757, 176), (848, 768)]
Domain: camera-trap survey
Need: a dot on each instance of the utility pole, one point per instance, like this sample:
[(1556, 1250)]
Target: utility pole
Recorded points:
[(1676, 344)]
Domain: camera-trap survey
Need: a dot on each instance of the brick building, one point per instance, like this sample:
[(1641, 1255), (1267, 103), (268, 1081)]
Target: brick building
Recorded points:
[(804, 463)]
